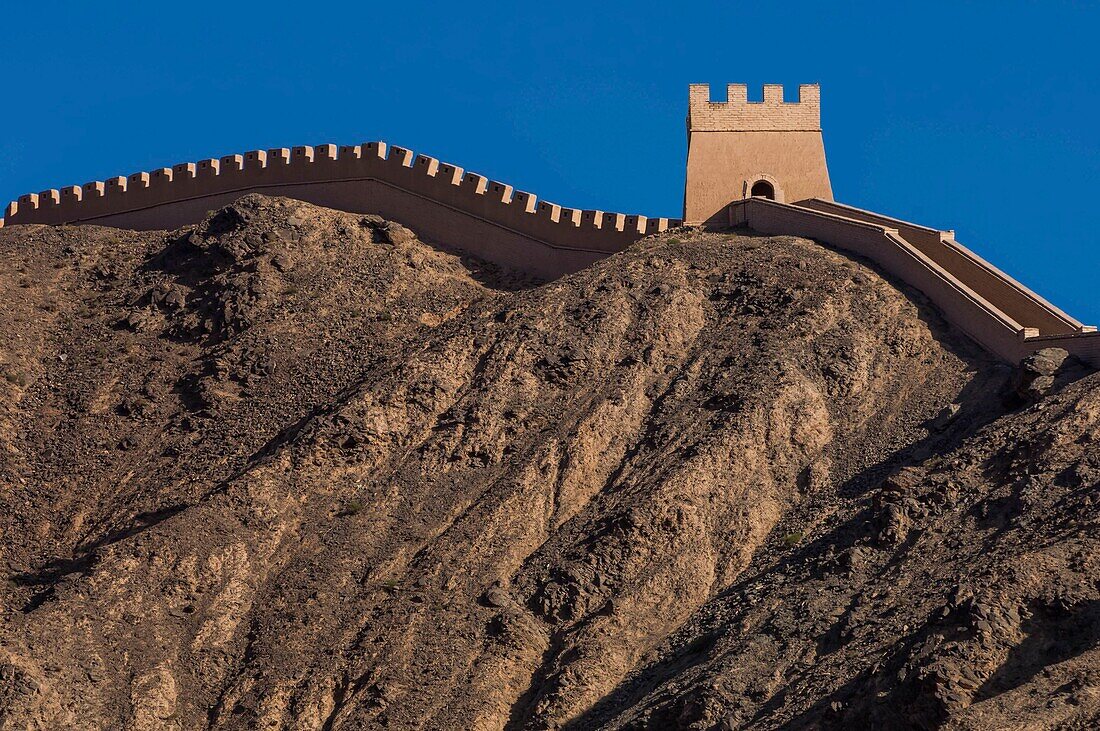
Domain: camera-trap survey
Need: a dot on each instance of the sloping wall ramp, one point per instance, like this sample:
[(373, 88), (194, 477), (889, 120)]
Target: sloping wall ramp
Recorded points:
[(997, 312)]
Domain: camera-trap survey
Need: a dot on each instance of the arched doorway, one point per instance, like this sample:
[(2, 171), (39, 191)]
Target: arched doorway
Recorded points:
[(763, 189)]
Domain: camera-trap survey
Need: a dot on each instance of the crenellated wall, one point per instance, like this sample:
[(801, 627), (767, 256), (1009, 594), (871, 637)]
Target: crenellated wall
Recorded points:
[(441, 202), (738, 114)]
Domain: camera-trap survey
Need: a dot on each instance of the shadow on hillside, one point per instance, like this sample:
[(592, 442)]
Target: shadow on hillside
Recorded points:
[(491, 275), (84, 559), (1052, 635)]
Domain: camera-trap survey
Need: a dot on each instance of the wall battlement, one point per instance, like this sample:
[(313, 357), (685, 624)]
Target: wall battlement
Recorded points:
[(738, 114), (366, 178)]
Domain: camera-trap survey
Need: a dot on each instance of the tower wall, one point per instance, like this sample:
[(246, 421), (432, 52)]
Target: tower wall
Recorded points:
[(736, 143)]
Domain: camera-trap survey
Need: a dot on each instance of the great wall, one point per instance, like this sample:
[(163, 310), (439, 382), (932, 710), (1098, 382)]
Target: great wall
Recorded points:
[(755, 164), (441, 201)]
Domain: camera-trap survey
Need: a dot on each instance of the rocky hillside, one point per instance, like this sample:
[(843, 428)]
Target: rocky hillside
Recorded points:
[(295, 469)]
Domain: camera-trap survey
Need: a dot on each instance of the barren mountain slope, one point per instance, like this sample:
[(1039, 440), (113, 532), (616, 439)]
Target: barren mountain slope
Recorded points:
[(296, 469)]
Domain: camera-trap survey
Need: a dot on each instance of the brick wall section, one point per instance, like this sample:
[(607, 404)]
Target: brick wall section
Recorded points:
[(440, 201), (738, 114)]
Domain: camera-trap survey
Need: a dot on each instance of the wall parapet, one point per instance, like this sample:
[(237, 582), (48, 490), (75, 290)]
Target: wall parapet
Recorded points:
[(319, 174)]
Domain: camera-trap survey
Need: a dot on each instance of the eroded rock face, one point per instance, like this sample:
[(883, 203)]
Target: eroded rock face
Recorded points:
[(297, 469), (1036, 374)]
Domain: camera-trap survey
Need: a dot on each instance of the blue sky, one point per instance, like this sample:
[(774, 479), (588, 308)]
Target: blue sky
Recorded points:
[(982, 117)]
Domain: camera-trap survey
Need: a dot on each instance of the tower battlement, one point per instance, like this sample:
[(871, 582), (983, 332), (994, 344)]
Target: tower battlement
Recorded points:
[(737, 113)]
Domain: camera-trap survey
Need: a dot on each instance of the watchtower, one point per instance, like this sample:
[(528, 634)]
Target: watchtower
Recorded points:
[(738, 149)]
